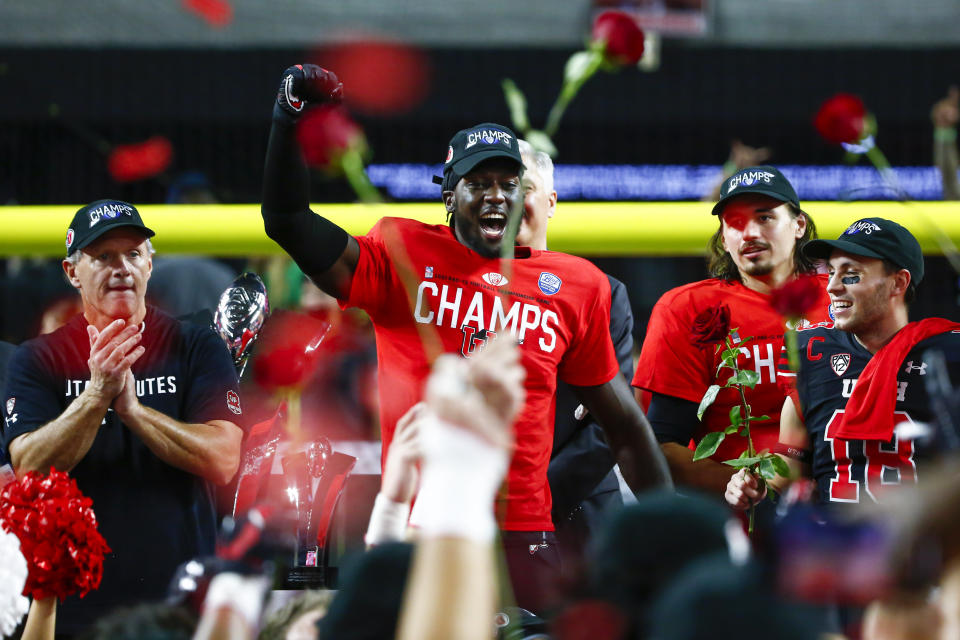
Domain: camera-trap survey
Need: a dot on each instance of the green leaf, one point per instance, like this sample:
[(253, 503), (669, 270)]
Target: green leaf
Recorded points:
[(735, 419), (766, 469), (731, 429), (740, 463), (517, 104), (757, 418), (708, 445), (745, 431), (707, 400), (581, 66), (540, 141), (743, 460), (728, 360), (780, 466), (747, 377)]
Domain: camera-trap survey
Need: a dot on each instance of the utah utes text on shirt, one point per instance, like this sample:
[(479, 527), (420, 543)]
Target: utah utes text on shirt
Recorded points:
[(145, 387)]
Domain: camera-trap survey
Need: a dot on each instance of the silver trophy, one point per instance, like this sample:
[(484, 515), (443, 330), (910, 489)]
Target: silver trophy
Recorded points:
[(240, 314)]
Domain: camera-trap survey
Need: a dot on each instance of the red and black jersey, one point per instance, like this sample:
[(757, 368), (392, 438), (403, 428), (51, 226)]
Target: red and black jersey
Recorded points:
[(851, 471), (428, 294), (670, 364)]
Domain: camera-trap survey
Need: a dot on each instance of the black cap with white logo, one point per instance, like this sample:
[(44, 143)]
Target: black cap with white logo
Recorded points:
[(874, 238), (97, 218), (470, 147), (765, 180)]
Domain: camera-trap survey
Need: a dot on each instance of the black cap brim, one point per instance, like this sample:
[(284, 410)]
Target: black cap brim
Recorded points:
[(821, 249), (722, 202), (466, 165), (146, 231)]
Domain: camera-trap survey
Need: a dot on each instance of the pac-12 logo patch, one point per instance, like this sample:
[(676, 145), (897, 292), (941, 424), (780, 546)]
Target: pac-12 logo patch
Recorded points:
[(10, 403), (494, 278), (840, 362), (428, 272), (549, 283), (233, 402), (449, 154), (69, 237)]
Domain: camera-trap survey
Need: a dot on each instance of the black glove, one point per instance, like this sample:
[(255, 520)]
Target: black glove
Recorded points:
[(307, 84)]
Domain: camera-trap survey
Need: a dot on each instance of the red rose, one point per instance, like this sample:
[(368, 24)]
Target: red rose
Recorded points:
[(711, 325), (841, 119), (796, 297), (623, 38), (288, 353), (325, 133), (130, 162)]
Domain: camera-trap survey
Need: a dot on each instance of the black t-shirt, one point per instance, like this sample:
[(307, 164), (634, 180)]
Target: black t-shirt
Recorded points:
[(850, 471), (153, 516)]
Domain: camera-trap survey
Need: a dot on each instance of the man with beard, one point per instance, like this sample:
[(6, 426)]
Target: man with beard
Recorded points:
[(862, 377), (442, 288), (755, 250)]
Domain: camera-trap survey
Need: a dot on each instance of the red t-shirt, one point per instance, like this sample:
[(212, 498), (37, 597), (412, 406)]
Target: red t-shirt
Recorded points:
[(672, 365), (424, 290)]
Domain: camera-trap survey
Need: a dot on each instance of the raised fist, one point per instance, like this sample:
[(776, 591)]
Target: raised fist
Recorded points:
[(304, 84)]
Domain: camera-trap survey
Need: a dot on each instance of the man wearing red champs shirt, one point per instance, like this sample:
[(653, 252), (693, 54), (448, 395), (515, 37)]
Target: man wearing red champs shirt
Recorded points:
[(755, 250), (443, 288)]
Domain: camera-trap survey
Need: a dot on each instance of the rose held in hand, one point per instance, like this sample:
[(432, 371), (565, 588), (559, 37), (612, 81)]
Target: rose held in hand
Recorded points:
[(623, 38)]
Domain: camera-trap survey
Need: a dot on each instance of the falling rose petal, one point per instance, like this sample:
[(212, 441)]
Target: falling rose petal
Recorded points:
[(841, 119), (796, 297), (217, 13), (380, 77), (130, 162), (288, 352)]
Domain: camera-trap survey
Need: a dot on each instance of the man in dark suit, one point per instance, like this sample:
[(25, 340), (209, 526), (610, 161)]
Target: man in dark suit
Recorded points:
[(583, 483)]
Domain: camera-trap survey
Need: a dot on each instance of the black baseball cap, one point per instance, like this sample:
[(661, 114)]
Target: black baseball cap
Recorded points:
[(469, 147), (874, 238), (764, 179), (97, 218)]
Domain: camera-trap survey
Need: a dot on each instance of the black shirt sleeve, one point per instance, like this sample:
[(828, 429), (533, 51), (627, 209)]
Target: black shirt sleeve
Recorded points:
[(213, 391), (673, 419), (313, 242)]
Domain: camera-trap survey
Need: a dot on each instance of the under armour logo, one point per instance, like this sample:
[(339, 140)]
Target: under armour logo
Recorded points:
[(910, 367)]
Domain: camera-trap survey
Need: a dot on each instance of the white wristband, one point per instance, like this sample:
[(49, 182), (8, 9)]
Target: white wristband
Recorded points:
[(242, 595), (388, 521), (460, 477)]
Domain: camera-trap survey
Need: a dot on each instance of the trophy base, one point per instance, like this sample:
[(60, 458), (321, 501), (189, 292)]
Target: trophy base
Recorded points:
[(310, 578)]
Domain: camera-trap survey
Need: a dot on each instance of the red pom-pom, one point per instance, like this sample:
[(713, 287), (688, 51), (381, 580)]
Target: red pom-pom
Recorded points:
[(796, 297), (841, 119), (288, 353), (129, 162), (623, 37), (58, 534), (325, 133)]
